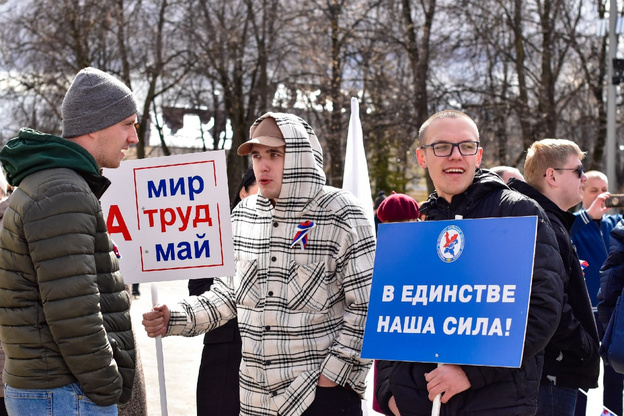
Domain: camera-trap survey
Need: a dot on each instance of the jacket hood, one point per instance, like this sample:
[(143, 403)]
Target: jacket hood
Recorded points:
[(484, 182), (32, 151), (303, 174)]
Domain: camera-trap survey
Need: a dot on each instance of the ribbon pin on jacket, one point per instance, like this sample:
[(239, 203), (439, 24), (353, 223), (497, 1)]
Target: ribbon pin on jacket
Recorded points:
[(302, 234)]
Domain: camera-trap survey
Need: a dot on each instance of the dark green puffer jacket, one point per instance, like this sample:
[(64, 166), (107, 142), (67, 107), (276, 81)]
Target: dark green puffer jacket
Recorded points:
[(64, 313)]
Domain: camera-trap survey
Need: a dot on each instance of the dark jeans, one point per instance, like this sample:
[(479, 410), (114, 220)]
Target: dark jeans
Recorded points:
[(555, 401), (335, 401), (612, 385)]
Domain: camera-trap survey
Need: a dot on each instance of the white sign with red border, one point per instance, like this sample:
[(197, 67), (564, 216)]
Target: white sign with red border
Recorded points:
[(169, 217)]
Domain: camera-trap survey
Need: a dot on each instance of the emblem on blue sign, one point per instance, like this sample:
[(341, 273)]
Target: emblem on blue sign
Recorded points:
[(450, 243)]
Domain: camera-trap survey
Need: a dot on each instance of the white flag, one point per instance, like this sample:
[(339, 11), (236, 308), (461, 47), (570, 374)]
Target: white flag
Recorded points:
[(355, 178)]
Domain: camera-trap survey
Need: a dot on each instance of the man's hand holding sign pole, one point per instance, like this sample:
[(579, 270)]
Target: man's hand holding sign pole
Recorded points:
[(169, 218)]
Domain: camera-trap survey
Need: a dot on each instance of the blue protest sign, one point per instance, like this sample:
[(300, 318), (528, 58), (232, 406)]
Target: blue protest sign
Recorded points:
[(453, 292)]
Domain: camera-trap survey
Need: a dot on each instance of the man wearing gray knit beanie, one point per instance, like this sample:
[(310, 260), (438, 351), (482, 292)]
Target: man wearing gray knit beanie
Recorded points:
[(65, 327), (99, 114), (94, 101)]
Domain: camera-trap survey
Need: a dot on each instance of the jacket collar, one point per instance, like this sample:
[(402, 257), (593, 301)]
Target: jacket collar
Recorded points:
[(484, 182), (566, 218)]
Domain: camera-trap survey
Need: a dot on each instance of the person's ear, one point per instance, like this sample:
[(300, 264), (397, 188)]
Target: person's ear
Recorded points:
[(420, 156), (479, 156), (550, 177)]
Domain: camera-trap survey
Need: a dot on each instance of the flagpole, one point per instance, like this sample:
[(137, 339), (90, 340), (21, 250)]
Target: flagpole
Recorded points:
[(355, 177), (611, 412)]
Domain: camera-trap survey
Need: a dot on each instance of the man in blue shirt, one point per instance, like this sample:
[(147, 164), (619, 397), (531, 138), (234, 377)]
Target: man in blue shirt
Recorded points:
[(590, 235)]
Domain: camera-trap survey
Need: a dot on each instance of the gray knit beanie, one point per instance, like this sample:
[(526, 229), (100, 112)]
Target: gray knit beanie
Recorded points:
[(95, 100)]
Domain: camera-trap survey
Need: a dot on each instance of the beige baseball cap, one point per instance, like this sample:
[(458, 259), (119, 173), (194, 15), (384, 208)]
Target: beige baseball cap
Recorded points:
[(266, 133)]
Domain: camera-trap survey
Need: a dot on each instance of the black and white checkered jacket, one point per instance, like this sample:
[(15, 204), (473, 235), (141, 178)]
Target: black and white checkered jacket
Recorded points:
[(301, 312)]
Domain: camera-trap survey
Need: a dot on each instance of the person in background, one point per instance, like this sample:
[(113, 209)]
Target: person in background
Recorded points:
[(217, 382), (449, 149), (381, 195), (137, 403), (304, 256), (611, 285), (612, 276), (590, 235), (65, 323), (136, 292), (507, 173), (554, 179), (395, 208), (398, 208), (248, 186)]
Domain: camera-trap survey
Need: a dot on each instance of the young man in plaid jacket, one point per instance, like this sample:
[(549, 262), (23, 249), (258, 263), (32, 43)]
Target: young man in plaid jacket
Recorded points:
[(304, 259)]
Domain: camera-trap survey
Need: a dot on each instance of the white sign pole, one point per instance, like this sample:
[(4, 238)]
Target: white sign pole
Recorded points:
[(435, 410), (160, 361)]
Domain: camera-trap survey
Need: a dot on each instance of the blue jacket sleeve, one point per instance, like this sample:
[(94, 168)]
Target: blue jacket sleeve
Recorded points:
[(612, 275)]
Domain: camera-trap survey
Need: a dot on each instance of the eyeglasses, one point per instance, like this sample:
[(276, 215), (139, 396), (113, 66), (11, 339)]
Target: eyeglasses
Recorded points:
[(444, 149), (578, 170)]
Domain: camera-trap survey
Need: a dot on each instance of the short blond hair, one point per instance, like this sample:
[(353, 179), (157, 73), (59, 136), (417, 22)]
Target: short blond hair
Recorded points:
[(422, 132), (548, 153)]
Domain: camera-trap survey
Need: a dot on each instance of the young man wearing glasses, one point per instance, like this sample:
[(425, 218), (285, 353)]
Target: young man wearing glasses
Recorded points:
[(554, 178), (450, 151)]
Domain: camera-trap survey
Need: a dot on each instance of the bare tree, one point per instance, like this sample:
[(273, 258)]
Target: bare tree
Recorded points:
[(589, 110), (524, 69), (527, 47), (396, 58), (161, 56), (47, 42), (44, 43), (321, 75), (233, 42)]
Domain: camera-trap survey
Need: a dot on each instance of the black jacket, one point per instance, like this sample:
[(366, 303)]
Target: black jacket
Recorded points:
[(494, 391), (217, 381), (571, 357), (612, 275)]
